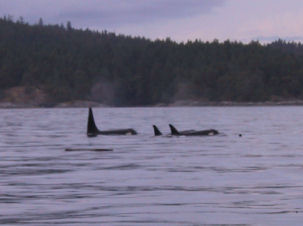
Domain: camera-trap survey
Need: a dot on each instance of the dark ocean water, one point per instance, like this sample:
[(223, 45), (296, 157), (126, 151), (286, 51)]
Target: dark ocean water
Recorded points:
[(147, 180)]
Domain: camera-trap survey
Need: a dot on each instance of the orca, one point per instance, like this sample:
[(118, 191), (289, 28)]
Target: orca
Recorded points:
[(93, 131), (157, 132), (209, 132)]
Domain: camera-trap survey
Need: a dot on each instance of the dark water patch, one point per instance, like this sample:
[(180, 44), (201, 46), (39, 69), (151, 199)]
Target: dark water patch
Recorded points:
[(121, 167), (28, 171), (89, 149)]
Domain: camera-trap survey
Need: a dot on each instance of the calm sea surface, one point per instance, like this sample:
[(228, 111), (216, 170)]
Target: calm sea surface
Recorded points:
[(256, 179)]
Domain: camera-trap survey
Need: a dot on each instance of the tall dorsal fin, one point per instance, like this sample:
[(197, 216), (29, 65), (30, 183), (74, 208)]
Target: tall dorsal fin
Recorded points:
[(173, 130), (157, 131), (92, 129)]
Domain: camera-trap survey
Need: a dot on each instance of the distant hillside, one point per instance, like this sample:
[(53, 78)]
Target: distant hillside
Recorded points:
[(49, 64)]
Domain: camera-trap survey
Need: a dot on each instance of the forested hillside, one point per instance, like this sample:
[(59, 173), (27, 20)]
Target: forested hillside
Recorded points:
[(66, 64)]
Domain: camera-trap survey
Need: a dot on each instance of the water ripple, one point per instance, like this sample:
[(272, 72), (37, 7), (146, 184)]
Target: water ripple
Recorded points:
[(253, 179)]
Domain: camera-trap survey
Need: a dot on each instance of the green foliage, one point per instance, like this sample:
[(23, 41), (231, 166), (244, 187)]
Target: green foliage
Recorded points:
[(72, 64)]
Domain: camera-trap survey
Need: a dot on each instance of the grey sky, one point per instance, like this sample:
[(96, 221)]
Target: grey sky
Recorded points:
[(135, 11), (180, 20)]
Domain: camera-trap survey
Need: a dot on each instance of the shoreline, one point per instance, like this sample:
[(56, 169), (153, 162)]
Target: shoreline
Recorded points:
[(86, 104)]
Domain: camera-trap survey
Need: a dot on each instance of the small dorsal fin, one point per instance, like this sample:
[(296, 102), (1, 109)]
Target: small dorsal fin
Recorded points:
[(157, 131), (173, 130), (92, 129)]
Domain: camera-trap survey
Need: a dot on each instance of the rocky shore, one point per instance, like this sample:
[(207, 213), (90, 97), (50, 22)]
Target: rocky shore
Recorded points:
[(35, 97), (234, 103), (85, 104), (71, 104)]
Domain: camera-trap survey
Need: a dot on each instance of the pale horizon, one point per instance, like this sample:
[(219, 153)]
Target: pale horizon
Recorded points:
[(180, 20)]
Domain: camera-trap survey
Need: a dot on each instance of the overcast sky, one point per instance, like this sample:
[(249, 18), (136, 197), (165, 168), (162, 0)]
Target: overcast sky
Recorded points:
[(181, 20)]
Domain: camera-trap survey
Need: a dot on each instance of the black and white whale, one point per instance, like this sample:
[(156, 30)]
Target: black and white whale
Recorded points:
[(93, 131), (209, 132), (157, 132)]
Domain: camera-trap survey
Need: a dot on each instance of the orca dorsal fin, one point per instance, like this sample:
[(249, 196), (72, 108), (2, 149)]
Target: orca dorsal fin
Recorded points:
[(92, 129), (173, 130), (157, 131)]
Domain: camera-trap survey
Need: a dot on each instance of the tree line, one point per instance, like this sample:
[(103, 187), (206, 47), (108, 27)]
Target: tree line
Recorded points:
[(76, 64)]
